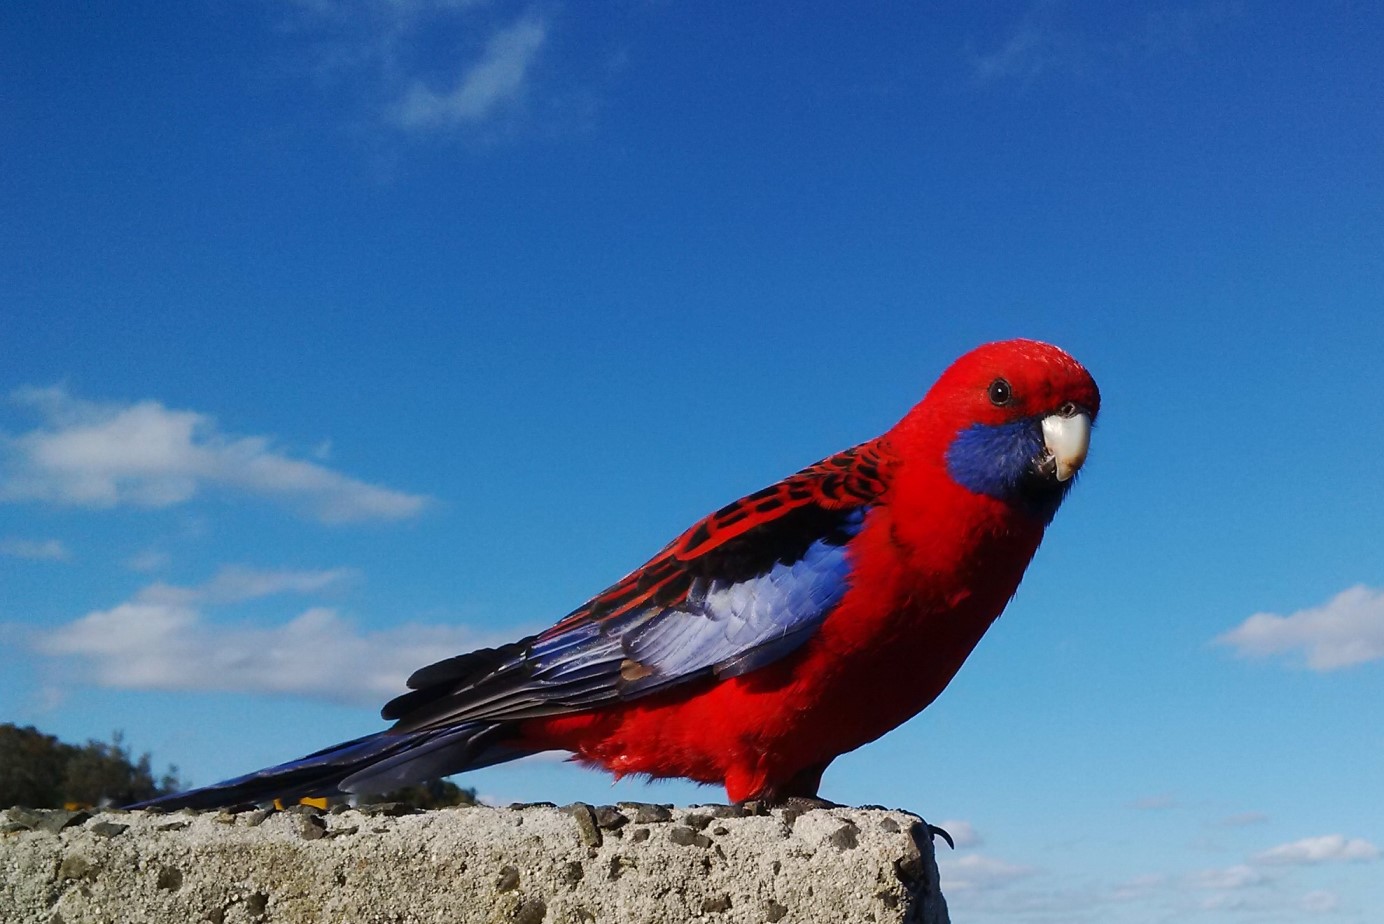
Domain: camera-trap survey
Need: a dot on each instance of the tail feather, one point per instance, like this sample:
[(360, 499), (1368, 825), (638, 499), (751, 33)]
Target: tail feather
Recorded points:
[(375, 763)]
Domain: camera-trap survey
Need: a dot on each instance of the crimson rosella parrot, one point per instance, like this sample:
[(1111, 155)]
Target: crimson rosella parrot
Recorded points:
[(781, 631)]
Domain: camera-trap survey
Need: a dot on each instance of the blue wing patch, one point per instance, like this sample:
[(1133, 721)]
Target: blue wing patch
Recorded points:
[(719, 628), (734, 628), (725, 628)]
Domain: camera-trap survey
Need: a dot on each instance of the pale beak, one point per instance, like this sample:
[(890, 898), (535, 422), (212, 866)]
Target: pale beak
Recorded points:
[(1067, 436)]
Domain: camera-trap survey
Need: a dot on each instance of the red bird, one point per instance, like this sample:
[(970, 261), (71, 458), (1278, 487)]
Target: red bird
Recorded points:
[(776, 634)]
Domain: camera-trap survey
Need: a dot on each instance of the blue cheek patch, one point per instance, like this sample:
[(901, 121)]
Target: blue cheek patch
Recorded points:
[(996, 460)]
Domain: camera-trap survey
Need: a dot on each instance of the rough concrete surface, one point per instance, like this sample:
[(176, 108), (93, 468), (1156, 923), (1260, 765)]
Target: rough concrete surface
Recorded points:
[(541, 864)]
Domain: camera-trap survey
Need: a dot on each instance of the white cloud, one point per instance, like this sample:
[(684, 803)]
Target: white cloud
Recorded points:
[(978, 872), (1139, 887), (495, 80), (234, 584), (1230, 878), (963, 833), (104, 455), (1034, 46), (148, 560), (401, 12), (1324, 849), (1319, 901), (1048, 39), (1227, 901), (162, 640), (1346, 630), (446, 66), (34, 549)]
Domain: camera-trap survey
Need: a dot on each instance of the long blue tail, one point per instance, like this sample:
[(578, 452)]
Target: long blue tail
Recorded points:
[(376, 763)]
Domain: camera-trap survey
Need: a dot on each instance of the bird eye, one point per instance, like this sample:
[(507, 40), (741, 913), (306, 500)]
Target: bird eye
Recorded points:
[(1000, 393)]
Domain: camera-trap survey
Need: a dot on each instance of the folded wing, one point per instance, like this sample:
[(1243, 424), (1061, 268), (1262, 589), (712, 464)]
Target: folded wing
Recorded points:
[(740, 589)]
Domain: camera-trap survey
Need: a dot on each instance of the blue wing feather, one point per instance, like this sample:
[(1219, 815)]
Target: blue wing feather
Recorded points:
[(732, 627), (720, 627), (742, 588)]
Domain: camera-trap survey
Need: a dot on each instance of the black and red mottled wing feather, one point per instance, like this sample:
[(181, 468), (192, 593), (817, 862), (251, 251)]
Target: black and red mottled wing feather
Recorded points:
[(739, 589)]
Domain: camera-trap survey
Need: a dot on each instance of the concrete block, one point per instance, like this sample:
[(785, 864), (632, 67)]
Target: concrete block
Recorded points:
[(541, 864)]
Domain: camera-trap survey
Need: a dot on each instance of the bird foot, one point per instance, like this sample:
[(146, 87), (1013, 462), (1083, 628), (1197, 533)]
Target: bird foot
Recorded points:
[(794, 804), (761, 805), (808, 803)]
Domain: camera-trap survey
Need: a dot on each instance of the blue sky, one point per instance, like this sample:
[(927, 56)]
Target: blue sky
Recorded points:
[(341, 335)]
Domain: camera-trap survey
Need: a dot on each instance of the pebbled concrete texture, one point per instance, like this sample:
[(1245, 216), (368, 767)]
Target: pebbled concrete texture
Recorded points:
[(537, 864)]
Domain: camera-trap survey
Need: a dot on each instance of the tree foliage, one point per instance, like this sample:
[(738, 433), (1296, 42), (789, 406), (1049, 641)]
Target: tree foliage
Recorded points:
[(39, 771), (430, 795)]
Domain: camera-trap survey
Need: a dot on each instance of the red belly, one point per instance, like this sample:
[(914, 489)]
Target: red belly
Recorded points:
[(891, 646)]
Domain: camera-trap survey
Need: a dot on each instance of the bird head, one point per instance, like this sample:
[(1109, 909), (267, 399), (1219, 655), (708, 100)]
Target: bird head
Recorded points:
[(1017, 419)]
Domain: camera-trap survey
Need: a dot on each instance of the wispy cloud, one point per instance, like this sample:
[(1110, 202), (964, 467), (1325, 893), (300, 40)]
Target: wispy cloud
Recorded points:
[(1320, 901), (497, 79), (427, 65), (1230, 878), (978, 872), (1243, 820), (1181, 29), (1049, 39), (1346, 630), (1155, 803), (989, 888), (1139, 887), (1262, 883), (148, 560), (34, 549), (392, 10), (236, 584), (1324, 849), (162, 639), (1035, 45), (963, 833), (94, 454)]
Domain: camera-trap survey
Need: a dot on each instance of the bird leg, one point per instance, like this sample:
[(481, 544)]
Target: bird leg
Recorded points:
[(800, 791)]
